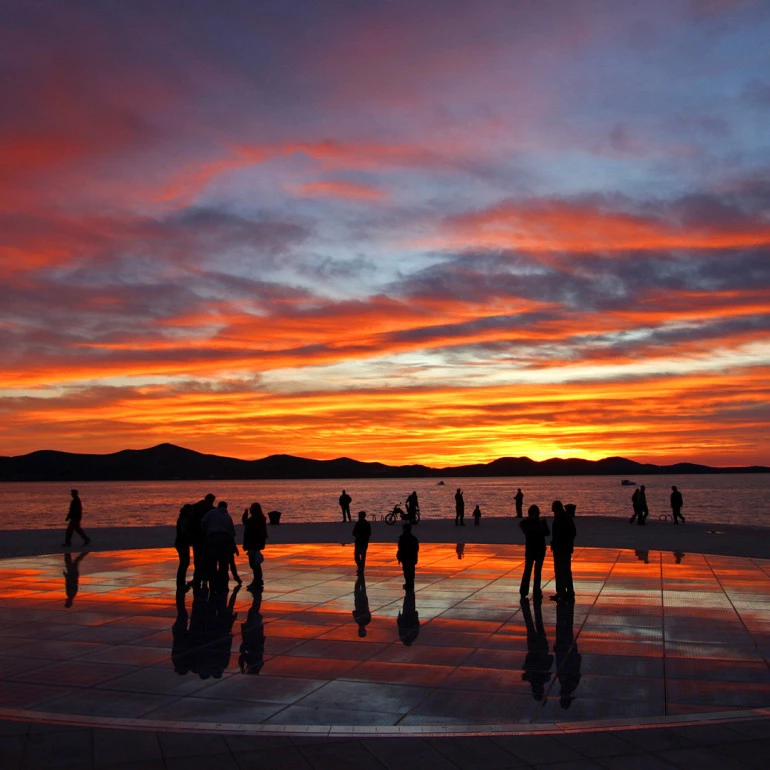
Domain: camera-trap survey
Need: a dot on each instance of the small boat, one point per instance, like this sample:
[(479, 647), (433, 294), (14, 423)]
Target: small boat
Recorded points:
[(627, 483), (440, 484)]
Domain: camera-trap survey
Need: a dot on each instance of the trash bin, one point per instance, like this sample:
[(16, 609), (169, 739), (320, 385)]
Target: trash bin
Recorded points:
[(274, 516)]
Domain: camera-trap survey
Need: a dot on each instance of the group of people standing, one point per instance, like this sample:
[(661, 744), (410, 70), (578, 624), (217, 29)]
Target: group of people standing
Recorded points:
[(535, 531), (641, 511), (209, 531)]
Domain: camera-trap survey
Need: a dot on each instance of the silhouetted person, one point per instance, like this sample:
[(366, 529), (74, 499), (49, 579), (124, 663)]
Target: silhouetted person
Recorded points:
[(562, 545), (72, 576), (219, 530), (676, 504), (537, 664), (476, 516), (519, 498), (345, 501), (571, 508), (200, 558), (254, 537), (408, 621), (568, 659), (407, 555), (185, 534), (361, 613), (182, 654), (362, 531), (459, 508), (460, 550), (252, 656), (644, 510), (637, 508), (412, 506), (74, 517), (535, 531)]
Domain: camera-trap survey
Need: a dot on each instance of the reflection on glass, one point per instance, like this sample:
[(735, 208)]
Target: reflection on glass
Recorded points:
[(361, 613), (538, 662), (181, 654), (72, 576), (460, 550), (678, 556), (568, 658), (408, 621), (210, 633), (643, 556), (252, 656)]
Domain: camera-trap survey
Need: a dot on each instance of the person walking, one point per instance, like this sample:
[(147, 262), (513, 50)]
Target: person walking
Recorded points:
[(362, 532), (254, 537), (345, 501), (562, 545), (407, 555), (519, 498), (677, 501), (644, 511), (476, 516), (535, 531), (74, 517), (183, 542), (459, 509), (636, 507)]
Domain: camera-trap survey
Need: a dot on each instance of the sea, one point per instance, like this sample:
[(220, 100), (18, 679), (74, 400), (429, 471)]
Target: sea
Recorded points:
[(714, 499)]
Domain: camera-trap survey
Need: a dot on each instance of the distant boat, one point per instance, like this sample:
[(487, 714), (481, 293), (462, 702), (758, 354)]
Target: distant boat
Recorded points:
[(627, 483), (440, 484)]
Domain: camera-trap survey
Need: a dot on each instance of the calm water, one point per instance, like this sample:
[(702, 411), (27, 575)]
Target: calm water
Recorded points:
[(722, 499)]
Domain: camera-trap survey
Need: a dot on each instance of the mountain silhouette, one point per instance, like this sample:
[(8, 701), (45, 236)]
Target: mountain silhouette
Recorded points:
[(167, 462)]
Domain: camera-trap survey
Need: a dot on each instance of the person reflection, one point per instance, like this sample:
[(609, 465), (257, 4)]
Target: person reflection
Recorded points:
[(408, 621), (181, 645), (211, 625), (460, 550), (72, 576), (361, 612), (252, 656), (568, 658), (537, 664), (678, 556), (643, 556)]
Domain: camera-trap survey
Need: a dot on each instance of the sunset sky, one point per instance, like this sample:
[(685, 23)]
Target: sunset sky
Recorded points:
[(433, 231)]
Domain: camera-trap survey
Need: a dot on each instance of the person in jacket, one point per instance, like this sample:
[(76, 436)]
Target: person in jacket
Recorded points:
[(535, 531), (219, 531), (407, 555), (362, 532), (677, 501), (185, 529), (254, 537), (345, 501), (562, 545)]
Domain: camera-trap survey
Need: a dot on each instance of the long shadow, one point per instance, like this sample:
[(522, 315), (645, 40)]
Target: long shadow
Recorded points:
[(568, 659), (72, 576), (408, 621), (252, 656), (361, 612), (538, 661)]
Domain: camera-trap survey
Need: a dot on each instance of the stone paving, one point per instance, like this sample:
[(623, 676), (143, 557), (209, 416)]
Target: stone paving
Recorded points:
[(99, 652)]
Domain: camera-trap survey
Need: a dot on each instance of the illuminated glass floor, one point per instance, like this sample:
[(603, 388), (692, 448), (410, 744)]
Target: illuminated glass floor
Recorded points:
[(650, 635)]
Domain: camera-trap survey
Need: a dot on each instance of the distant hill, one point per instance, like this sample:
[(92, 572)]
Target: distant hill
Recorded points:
[(169, 462)]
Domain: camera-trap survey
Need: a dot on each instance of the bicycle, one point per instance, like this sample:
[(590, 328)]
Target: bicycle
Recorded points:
[(398, 514)]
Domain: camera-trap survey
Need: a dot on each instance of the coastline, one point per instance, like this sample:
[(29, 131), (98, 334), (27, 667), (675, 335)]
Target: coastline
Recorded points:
[(593, 531)]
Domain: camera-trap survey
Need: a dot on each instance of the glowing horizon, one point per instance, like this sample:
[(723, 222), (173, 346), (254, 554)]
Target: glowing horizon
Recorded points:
[(437, 234)]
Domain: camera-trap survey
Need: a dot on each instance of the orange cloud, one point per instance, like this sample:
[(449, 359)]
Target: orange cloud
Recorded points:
[(341, 189)]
